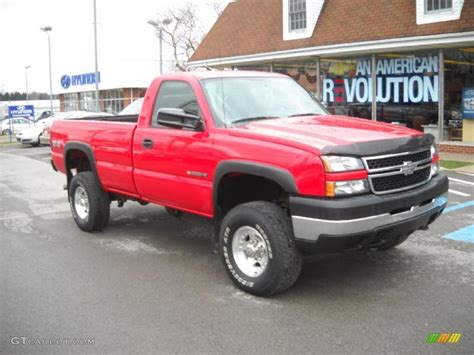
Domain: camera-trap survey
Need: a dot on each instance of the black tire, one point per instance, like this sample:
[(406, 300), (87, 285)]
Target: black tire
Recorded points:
[(284, 259), (99, 202), (393, 242)]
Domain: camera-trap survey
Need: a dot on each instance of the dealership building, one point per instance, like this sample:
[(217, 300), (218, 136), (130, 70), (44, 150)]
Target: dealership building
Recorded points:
[(119, 85), (407, 62)]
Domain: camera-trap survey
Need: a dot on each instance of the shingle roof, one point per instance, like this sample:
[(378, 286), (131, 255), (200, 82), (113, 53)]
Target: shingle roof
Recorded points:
[(255, 26)]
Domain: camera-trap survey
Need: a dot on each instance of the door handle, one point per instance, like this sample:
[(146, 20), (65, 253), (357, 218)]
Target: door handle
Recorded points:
[(147, 143)]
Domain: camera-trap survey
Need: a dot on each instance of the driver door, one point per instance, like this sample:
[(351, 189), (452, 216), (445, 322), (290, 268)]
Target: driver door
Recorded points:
[(172, 165)]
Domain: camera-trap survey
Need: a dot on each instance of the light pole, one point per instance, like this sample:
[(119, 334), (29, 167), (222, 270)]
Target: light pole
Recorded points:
[(96, 62), (159, 27), (48, 30), (26, 82)]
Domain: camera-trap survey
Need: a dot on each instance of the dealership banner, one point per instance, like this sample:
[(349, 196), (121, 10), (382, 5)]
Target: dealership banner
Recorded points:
[(468, 103), (26, 111), (399, 80)]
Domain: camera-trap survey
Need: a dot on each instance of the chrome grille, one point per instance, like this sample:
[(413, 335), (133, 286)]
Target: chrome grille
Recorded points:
[(398, 172), (397, 160)]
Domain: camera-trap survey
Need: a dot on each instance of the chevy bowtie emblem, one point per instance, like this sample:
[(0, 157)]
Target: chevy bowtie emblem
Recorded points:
[(408, 167)]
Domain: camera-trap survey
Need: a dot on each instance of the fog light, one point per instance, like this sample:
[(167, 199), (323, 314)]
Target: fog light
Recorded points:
[(344, 188)]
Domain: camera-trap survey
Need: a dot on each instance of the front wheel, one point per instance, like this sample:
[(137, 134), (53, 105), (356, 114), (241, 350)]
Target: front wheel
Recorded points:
[(90, 204), (258, 248)]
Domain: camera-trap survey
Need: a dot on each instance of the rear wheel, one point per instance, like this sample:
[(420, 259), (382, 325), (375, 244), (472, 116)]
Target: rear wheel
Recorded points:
[(90, 205), (258, 248)]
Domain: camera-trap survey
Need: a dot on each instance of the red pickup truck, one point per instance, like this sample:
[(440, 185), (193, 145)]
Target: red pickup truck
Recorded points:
[(264, 160)]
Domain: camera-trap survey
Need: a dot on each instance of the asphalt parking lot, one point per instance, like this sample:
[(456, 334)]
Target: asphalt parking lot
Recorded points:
[(150, 283)]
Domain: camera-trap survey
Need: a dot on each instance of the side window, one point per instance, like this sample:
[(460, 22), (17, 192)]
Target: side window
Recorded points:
[(175, 94)]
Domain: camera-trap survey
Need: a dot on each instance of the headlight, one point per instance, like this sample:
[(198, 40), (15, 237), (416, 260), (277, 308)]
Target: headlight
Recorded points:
[(344, 188), (335, 164), (435, 163)]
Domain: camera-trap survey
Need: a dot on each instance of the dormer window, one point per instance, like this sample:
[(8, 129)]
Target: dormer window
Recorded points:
[(297, 14), (433, 11), (438, 5), (300, 18)]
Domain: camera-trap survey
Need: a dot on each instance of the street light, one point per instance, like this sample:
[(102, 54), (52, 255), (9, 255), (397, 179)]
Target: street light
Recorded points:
[(48, 30), (26, 82), (96, 61), (159, 27)]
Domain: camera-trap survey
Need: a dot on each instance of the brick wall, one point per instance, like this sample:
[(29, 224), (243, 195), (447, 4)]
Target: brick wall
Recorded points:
[(456, 148)]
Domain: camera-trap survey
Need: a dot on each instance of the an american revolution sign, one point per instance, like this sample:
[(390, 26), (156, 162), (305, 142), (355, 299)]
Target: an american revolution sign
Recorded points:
[(399, 80)]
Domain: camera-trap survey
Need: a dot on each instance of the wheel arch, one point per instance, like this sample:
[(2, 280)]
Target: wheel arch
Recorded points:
[(82, 148), (277, 175)]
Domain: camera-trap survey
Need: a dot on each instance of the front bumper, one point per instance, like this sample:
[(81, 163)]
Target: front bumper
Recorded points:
[(317, 220)]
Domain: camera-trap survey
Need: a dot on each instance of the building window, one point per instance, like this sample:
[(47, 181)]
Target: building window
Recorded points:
[(438, 5), (297, 14)]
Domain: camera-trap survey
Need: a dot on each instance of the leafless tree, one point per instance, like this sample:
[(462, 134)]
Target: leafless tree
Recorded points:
[(217, 6), (182, 29)]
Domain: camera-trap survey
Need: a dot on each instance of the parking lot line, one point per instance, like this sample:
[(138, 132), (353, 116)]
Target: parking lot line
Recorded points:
[(463, 173), (465, 234), (461, 181), (459, 206), (458, 193)]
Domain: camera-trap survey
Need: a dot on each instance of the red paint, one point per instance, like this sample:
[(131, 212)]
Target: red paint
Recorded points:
[(161, 174)]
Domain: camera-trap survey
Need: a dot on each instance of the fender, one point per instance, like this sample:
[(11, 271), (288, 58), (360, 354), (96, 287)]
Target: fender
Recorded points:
[(87, 150), (280, 176)]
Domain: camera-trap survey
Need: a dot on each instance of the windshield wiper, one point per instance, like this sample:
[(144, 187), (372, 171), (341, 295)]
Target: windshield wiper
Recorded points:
[(305, 114), (257, 118)]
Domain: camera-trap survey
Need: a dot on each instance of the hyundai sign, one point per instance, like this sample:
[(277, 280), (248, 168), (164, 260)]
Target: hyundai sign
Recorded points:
[(26, 111), (79, 80)]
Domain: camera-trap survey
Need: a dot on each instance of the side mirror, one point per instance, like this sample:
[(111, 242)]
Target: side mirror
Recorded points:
[(178, 118)]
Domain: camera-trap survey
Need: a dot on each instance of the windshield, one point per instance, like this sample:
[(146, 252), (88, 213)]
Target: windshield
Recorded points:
[(241, 100)]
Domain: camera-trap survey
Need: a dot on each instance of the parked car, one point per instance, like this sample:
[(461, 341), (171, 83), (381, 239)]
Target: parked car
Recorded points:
[(134, 108), (255, 153), (31, 135), (12, 125), (44, 136), (43, 114)]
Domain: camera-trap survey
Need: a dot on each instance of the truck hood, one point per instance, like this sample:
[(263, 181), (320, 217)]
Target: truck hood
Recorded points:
[(319, 132)]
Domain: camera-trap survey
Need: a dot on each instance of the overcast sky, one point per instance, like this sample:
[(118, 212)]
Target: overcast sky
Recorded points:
[(123, 36)]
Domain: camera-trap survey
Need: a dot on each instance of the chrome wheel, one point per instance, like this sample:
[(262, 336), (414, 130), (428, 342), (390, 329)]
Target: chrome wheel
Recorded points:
[(81, 202), (250, 251)]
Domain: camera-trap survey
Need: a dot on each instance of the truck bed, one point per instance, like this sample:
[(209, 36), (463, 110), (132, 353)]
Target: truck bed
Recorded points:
[(111, 140)]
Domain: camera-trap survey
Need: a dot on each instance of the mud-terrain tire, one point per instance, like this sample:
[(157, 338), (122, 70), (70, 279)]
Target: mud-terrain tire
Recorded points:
[(90, 205), (258, 248)]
